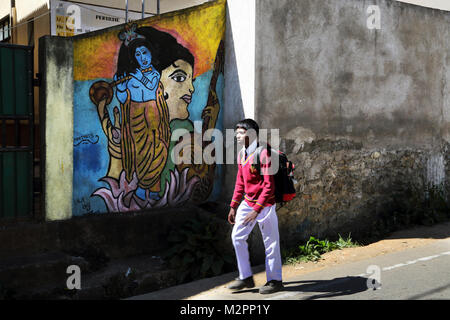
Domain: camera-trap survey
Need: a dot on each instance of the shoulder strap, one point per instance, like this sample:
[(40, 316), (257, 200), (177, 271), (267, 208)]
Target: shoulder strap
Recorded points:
[(259, 149)]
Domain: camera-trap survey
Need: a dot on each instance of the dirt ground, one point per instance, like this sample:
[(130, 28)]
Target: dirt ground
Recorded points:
[(397, 241)]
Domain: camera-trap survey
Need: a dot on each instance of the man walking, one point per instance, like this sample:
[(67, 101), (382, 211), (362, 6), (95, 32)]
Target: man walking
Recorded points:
[(258, 190)]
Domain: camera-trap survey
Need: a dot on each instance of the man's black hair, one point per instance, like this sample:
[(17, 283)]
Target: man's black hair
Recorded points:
[(248, 124)]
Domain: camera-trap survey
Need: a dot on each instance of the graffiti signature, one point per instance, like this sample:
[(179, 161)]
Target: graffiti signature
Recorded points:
[(85, 204), (85, 139)]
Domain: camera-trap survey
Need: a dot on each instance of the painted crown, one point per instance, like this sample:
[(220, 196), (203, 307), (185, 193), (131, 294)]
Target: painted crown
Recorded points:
[(129, 34)]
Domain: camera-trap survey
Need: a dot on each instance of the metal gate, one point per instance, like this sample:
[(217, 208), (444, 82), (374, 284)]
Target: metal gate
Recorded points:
[(16, 132)]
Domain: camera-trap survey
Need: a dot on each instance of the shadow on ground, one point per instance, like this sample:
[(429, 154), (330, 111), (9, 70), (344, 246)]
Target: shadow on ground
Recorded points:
[(435, 231), (322, 288)]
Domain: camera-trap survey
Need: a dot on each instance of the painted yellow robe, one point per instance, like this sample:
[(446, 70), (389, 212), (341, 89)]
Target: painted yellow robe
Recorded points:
[(145, 140)]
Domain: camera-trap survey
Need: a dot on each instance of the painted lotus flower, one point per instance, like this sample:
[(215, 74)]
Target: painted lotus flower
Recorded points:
[(121, 195)]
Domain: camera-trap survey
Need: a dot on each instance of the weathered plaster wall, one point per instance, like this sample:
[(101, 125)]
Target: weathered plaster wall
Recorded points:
[(57, 95), (321, 68), (364, 113)]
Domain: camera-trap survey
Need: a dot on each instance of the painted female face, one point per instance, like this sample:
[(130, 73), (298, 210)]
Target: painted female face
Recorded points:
[(143, 57), (178, 88)]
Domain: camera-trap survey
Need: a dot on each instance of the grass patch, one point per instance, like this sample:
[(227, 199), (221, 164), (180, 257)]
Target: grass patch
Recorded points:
[(314, 248)]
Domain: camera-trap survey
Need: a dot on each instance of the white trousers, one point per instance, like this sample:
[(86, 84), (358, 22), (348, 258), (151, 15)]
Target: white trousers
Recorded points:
[(268, 224)]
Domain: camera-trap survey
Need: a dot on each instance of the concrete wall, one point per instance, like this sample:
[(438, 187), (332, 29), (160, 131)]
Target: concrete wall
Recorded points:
[(238, 80), (240, 61), (239, 90), (105, 153), (56, 94), (364, 113), (321, 68)]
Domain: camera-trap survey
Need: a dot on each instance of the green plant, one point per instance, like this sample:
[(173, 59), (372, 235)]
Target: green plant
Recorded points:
[(346, 243), (314, 248), (197, 250)]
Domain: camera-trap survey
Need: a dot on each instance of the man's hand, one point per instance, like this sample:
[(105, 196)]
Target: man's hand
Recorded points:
[(231, 215), (250, 217)]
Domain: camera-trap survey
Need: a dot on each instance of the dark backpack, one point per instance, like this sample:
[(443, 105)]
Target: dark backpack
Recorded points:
[(284, 177)]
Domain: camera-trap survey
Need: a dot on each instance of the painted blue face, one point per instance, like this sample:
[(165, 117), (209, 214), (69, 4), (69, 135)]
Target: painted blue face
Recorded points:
[(143, 57)]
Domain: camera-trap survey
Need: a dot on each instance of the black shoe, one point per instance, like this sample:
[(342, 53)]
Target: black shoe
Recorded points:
[(271, 286), (239, 284)]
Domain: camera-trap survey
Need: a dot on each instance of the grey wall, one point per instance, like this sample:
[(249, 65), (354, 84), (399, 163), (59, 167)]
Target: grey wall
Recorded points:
[(319, 67), (364, 114)]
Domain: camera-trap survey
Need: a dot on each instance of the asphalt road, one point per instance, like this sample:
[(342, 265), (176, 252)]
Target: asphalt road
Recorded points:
[(409, 264), (418, 273)]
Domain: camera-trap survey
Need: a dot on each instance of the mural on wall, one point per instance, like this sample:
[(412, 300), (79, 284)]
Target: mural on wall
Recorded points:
[(134, 87)]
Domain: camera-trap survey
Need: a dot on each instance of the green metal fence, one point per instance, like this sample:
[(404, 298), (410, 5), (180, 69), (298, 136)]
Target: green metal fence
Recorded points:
[(16, 132)]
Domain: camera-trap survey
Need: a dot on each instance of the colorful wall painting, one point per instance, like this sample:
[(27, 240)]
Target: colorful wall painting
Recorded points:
[(134, 86)]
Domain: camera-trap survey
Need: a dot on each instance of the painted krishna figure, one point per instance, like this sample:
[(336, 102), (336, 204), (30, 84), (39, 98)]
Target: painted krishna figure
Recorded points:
[(154, 86)]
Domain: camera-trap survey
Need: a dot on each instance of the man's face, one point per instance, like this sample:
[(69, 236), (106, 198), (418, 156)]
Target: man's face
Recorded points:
[(240, 135)]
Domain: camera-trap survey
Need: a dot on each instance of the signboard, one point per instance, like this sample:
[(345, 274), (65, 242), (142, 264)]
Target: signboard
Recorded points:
[(69, 19)]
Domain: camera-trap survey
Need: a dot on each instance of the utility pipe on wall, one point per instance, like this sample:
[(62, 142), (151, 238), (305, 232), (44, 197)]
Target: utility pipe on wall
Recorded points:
[(143, 8), (126, 11), (13, 21)]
